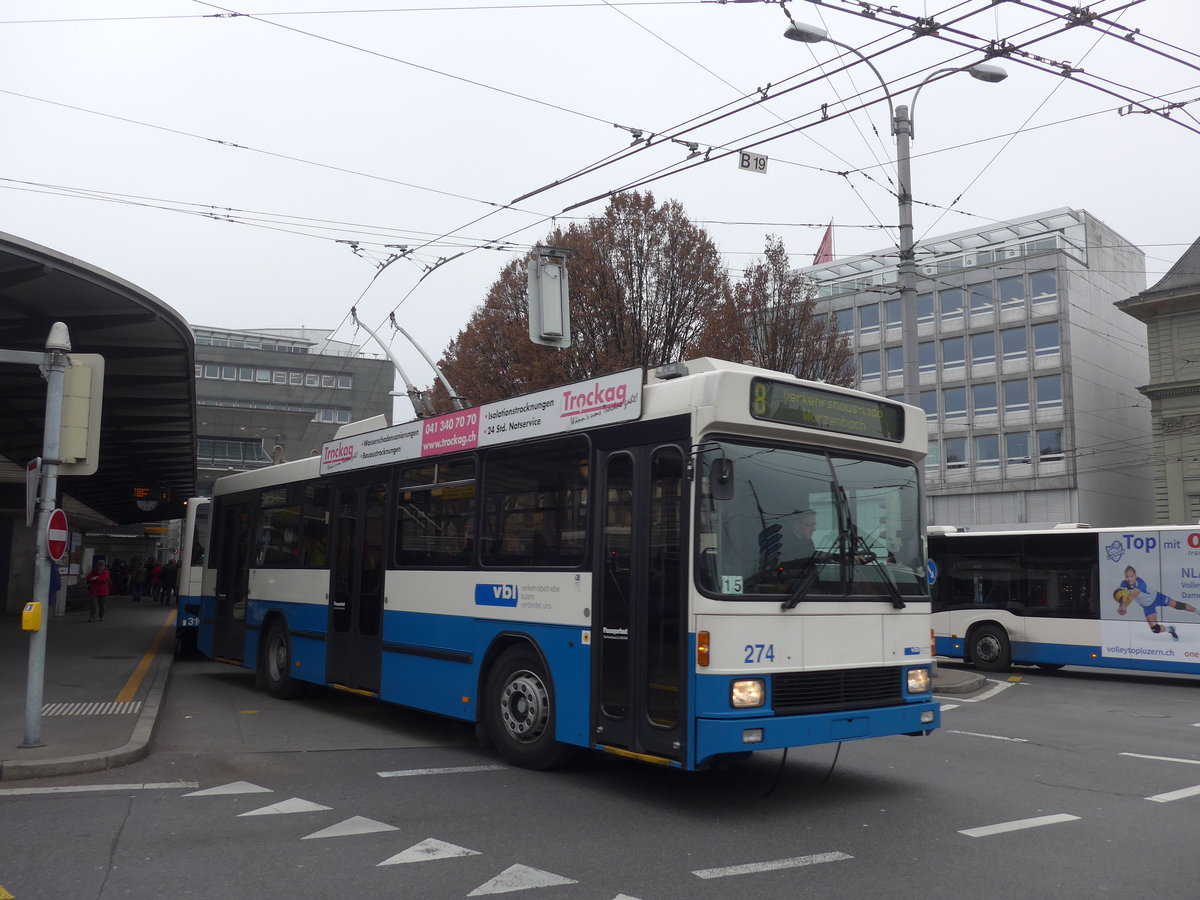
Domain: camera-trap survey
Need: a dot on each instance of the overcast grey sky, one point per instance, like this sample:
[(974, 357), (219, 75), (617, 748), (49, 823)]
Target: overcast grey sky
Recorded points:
[(254, 170)]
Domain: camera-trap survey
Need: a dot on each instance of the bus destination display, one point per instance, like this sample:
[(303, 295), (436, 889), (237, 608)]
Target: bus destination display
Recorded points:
[(795, 404)]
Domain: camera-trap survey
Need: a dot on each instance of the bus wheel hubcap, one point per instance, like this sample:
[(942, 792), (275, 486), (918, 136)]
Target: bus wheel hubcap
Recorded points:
[(525, 706)]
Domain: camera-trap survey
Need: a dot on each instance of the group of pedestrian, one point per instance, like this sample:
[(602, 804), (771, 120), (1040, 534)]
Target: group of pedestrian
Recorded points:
[(150, 579)]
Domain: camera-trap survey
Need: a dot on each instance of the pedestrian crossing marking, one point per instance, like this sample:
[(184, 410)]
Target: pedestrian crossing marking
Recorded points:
[(428, 849), (295, 805), (92, 708), (234, 787), (772, 865), (520, 878), (353, 825)]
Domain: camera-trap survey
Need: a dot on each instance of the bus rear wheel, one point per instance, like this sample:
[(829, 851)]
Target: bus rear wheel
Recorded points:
[(275, 663), (519, 711), (990, 649)]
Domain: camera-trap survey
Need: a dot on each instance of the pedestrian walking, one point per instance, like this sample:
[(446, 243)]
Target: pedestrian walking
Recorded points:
[(98, 583), (137, 582), (154, 577), (170, 581)]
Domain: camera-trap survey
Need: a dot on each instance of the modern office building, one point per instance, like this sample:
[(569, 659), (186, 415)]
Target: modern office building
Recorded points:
[(276, 394), (1029, 373), (1171, 311)]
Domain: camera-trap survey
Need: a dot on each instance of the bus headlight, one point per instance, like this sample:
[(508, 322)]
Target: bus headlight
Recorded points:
[(918, 680), (747, 693)]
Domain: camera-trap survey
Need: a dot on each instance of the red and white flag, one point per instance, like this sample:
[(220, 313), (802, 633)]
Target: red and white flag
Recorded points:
[(825, 251)]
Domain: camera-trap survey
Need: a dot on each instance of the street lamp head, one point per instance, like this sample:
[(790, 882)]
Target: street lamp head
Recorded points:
[(806, 34), (987, 72)]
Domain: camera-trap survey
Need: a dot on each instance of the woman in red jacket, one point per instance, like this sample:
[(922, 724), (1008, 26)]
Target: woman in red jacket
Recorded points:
[(98, 582)]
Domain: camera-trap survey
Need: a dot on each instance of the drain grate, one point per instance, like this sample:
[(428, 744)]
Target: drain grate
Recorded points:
[(112, 708)]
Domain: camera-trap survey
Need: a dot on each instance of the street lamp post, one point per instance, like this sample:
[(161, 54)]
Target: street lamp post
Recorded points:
[(901, 121)]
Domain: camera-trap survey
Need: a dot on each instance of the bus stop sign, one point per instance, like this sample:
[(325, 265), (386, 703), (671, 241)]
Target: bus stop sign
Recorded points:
[(56, 535)]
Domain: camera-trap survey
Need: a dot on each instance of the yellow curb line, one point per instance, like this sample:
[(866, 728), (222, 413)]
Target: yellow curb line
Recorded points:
[(135, 680)]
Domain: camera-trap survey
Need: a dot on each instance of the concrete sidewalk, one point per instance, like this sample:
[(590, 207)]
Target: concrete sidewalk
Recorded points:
[(103, 685)]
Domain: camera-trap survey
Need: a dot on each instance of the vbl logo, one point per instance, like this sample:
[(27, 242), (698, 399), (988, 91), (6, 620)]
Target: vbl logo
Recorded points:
[(496, 595)]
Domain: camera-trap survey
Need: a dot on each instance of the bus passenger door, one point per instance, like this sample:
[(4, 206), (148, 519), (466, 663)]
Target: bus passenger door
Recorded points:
[(639, 642), (356, 571), (233, 580)]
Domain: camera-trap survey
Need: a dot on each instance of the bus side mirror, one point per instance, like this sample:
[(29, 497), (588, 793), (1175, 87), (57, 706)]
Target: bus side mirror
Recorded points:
[(720, 479)]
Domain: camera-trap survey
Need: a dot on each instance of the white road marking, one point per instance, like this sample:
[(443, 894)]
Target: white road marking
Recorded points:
[(1019, 824), (353, 825), (234, 787), (428, 849), (997, 687), (295, 805), (771, 865), (519, 878), (81, 788), (1192, 762), (946, 706), (1175, 795), (991, 737), (452, 770)]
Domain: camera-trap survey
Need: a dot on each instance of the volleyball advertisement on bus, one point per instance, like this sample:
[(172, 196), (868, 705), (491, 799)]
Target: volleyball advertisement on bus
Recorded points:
[(1150, 594), (572, 407)]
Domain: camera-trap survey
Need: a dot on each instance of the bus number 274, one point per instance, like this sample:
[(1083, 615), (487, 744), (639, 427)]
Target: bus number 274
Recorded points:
[(756, 653)]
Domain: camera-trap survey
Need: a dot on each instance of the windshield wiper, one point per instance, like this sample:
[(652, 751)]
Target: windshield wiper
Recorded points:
[(802, 585), (857, 543)]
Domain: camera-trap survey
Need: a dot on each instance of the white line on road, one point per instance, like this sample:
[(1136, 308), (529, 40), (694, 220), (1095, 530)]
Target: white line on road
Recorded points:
[(452, 770), (80, 788), (946, 706), (1018, 825), (1193, 762), (991, 737), (998, 686), (1175, 795), (772, 865)]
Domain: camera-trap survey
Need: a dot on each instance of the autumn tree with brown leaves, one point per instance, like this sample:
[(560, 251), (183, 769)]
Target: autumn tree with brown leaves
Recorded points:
[(770, 319)]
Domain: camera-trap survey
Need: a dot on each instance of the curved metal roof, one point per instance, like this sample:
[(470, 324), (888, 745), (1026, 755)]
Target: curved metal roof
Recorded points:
[(148, 429)]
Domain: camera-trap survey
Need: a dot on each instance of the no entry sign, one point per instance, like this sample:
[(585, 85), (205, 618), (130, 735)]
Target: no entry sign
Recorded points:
[(56, 535)]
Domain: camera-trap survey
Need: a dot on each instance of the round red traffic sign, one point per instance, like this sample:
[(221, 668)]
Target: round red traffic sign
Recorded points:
[(57, 534)]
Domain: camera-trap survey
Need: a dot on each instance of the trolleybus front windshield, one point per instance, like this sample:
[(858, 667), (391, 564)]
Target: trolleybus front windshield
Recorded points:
[(808, 523)]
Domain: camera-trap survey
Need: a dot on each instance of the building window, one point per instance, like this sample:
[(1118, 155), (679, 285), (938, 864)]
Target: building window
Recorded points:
[(263, 376), (342, 416), (951, 303), (953, 350), (987, 451), (895, 361), (1013, 344), (983, 348), (869, 364), (894, 313), (924, 308), (328, 381), (929, 403), (983, 398), (1016, 447), (981, 298), (1045, 339), (279, 377), (245, 374), (1012, 292), (954, 402), (1049, 391), (212, 370), (1043, 287), (312, 380), (229, 373), (296, 378), (1050, 445), (845, 321), (926, 357), (933, 460), (345, 382), (1016, 396), (868, 318), (199, 371), (956, 453)]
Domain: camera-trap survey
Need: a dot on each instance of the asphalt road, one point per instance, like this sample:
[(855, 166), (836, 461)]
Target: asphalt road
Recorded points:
[(1053, 785)]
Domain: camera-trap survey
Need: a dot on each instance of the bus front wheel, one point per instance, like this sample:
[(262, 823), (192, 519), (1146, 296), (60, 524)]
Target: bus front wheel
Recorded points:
[(519, 711), (275, 663), (990, 649)]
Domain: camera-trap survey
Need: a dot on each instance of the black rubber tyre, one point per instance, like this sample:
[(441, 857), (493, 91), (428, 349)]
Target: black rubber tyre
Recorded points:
[(990, 649), (275, 663), (519, 711)]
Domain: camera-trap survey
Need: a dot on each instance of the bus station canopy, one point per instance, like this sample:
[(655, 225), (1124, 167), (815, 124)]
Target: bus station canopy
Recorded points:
[(148, 433)]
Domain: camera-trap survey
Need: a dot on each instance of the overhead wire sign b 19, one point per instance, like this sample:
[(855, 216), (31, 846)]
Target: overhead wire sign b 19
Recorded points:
[(752, 162)]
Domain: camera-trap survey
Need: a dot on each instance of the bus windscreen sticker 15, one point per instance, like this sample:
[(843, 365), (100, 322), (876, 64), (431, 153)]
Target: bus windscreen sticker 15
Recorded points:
[(797, 404), (573, 407)]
